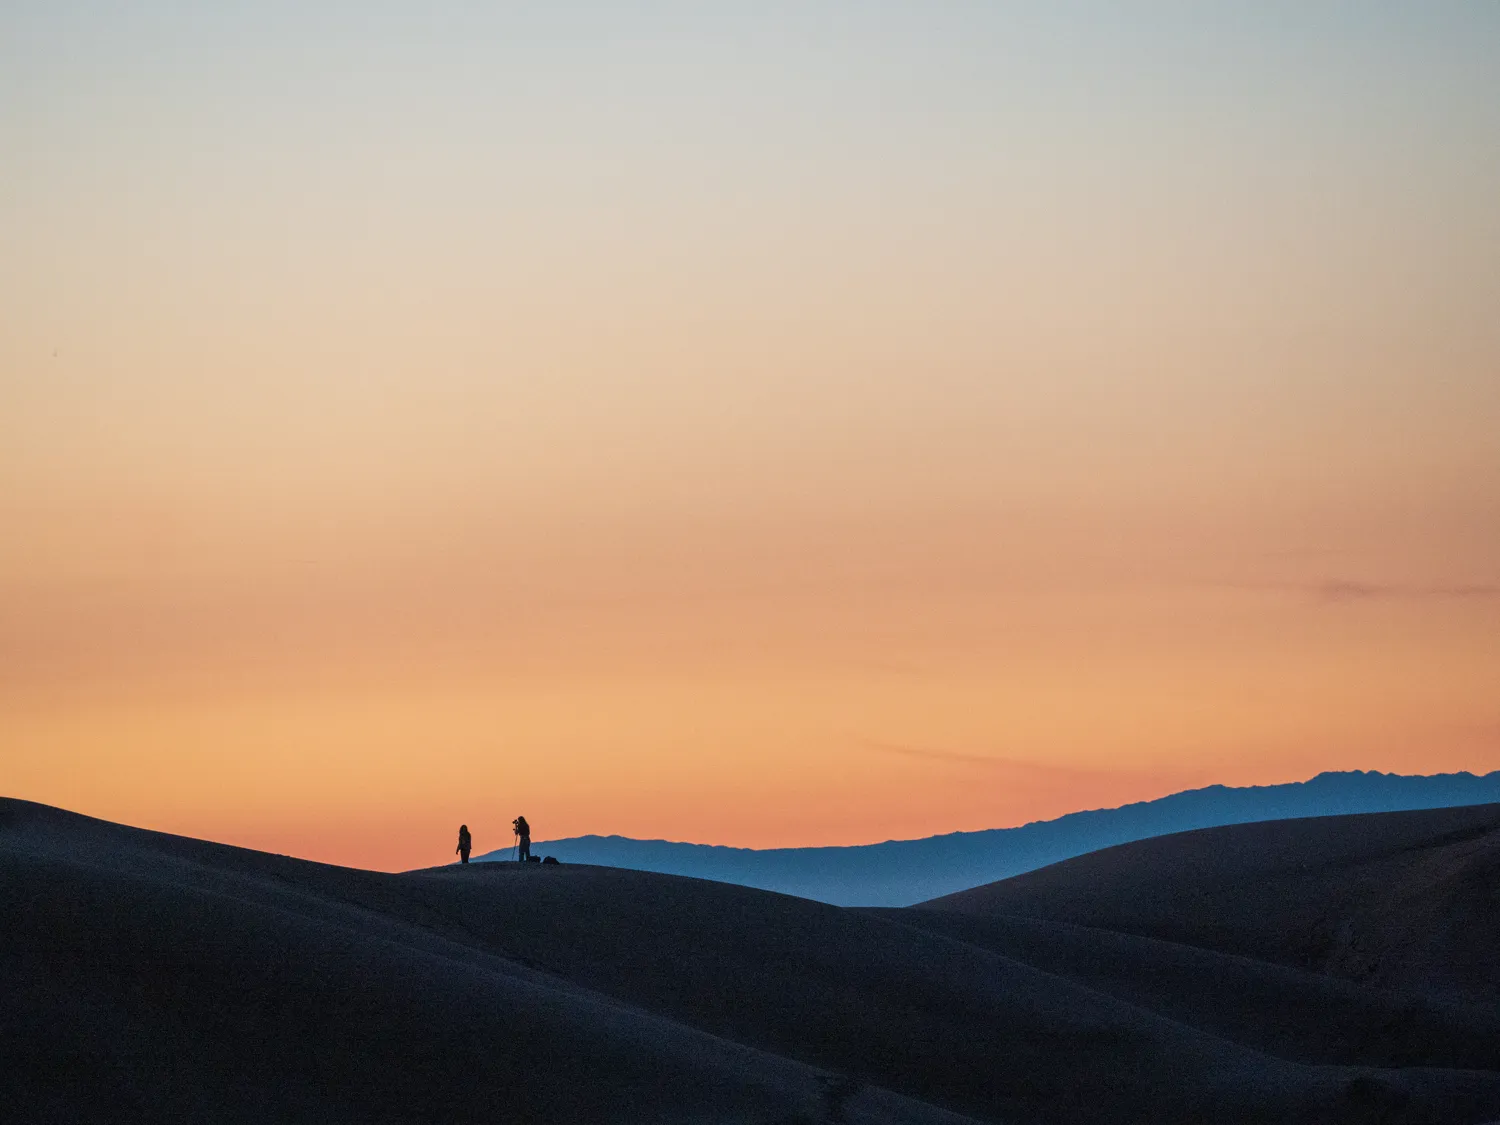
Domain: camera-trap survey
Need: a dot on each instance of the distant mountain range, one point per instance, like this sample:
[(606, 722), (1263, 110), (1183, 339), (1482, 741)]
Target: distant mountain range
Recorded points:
[(903, 872)]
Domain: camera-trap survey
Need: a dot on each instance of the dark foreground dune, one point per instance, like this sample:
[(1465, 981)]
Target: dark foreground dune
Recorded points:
[(151, 978), (148, 977)]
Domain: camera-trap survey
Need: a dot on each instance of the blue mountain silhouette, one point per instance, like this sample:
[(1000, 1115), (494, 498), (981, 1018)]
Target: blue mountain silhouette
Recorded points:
[(903, 872)]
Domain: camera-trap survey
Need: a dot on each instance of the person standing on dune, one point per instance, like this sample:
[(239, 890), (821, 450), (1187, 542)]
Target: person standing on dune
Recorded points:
[(464, 843), (523, 839)]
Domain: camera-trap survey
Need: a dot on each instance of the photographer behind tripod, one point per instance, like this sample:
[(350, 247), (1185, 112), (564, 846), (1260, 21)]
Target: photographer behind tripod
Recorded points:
[(523, 839)]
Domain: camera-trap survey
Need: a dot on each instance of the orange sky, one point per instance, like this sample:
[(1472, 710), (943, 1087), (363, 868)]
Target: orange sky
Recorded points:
[(760, 427)]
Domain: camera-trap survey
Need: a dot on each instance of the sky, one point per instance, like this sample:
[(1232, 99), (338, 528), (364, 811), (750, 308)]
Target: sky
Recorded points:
[(748, 423)]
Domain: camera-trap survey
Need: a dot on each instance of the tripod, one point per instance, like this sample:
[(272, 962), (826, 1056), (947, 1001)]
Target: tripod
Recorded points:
[(515, 848)]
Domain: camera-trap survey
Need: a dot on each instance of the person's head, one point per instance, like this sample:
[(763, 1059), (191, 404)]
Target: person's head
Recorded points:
[(463, 829)]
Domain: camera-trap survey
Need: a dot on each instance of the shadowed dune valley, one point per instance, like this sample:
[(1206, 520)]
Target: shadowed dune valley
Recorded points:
[(1333, 969)]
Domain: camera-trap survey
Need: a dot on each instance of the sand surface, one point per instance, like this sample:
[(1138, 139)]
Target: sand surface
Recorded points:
[(1403, 900), (150, 977)]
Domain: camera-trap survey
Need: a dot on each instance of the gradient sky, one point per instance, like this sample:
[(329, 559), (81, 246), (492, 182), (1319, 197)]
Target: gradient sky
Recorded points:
[(761, 424)]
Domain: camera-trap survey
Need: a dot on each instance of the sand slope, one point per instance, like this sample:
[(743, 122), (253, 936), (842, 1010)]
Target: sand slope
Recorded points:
[(144, 976), (1406, 900), (148, 978), (1287, 1012)]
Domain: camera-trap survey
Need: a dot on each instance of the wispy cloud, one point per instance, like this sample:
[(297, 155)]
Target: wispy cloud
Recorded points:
[(1345, 590), (1337, 591), (1014, 766), (934, 753)]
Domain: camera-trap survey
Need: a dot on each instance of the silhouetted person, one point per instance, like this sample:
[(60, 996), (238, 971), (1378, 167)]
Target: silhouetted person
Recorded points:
[(523, 843), (464, 843)]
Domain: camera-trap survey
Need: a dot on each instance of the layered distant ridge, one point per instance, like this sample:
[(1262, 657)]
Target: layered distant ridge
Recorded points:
[(904, 872)]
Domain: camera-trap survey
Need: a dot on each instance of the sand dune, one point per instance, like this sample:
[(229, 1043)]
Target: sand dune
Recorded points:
[(148, 977), (1290, 1013), (1406, 900)]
